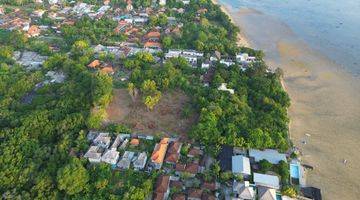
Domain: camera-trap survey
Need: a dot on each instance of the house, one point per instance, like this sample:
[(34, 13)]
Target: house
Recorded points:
[(223, 87), (190, 55), (178, 196), (241, 165), (107, 70), (228, 63), (124, 144), (208, 196), (29, 59), (173, 153), (195, 194), (125, 161), (102, 140), (179, 168), (211, 186), (92, 135), (110, 157), (116, 142), (94, 64), (194, 152), (192, 169), (273, 156), (225, 158), (153, 45), (153, 36), (158, 155), (176, 184), (205, 65), (140, 161), (93, 154), (244, 58), (134, 142), (266, 180), (243, 191), (162, 191), (265, 193)]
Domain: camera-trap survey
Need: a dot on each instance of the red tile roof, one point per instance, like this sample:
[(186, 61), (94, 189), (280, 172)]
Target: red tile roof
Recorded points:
[(192, 168), (94, 64), (210, 186), (179, 167), (152, 44), (178, 197), (195, 193), (153, 34), (161, 187)]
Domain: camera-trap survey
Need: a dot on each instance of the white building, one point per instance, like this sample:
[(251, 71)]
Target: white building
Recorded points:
[(223, 87), (266, 180), (102, 140), (93, 154), (273, 156), (241, 165), (244, 58), (243, 191), (110, 157), (125, 161), (140, 161)]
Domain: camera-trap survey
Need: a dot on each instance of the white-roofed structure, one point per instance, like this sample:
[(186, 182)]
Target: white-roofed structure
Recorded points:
[(266, 180), (241, 165), (116, 142), (125, 161), (93, 154), (102, 140), (110, 157), (270, 155), (223, 87), (265, 193), (124, 144), (140, 161), (243, 191)]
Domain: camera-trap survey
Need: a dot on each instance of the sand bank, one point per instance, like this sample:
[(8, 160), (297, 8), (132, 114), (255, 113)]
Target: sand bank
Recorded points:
[(325, 103)]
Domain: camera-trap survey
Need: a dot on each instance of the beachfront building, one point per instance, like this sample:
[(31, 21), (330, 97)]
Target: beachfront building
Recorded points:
[(266, 180), (273, 156), (265, 193)]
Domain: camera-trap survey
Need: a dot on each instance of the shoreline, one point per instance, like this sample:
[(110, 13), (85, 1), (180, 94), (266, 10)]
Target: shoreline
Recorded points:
[(325, 102)]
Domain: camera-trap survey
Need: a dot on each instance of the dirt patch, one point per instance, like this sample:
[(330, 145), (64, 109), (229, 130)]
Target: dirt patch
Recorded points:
[(166, 118)]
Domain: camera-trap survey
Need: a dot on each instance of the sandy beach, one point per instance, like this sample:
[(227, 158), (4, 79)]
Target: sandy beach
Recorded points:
[(325, 103)]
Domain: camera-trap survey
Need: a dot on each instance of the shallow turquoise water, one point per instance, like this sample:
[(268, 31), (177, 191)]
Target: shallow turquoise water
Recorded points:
[(329, 26)]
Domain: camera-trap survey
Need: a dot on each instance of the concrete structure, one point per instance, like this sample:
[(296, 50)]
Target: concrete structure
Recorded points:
[(223, 87), (241, 165), (140, 161), (93, 154), (243, 191), (110, 157), (266, 180), (273, 156), (102, 140)]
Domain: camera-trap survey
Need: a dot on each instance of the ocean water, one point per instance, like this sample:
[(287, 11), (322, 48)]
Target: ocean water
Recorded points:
[(329, 26)]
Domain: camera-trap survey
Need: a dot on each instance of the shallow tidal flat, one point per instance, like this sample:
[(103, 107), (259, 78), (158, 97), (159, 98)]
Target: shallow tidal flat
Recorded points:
[(325, 110)]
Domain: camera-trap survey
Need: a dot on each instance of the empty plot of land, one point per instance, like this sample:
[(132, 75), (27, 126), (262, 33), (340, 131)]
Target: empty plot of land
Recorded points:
[(166, 117)]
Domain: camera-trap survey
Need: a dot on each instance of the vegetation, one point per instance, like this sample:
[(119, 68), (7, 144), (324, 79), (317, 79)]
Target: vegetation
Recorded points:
[(43, 126)]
